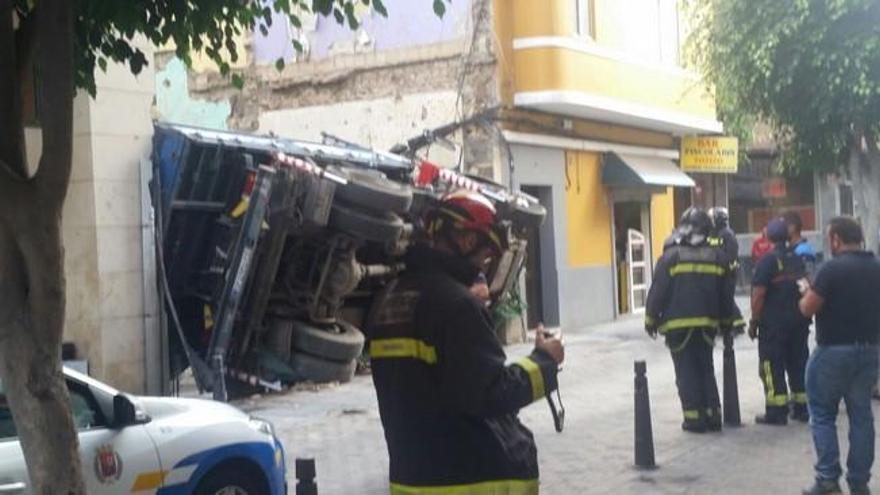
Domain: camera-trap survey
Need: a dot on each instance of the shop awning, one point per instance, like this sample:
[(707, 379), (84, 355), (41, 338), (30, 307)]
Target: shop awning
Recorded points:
[(642, 171)]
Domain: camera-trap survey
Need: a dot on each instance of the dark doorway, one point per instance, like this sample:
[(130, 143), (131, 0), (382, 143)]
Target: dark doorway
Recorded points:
[(632, 239), (540, 277)]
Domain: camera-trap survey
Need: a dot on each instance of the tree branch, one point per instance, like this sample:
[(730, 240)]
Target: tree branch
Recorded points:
[(25, 41), (12, 148), (55, 39)]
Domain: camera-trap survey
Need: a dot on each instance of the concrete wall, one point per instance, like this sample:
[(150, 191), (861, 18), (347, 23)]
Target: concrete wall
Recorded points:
[(396, 76), (409, 24), (175, 104), (585, 290), (379, 123)]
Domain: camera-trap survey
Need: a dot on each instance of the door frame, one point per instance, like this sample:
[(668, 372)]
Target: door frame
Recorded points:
[(548, 280), (624, 195)]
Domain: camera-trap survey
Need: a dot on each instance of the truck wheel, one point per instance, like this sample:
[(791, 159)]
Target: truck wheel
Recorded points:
[(341, 342), (314, 369), (279, 338), (372, 190), (525, 214), (378, 227), (521, 213)]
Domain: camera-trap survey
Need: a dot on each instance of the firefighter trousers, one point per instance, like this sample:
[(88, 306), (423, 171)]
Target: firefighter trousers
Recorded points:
[(691, 351), (783, 352)]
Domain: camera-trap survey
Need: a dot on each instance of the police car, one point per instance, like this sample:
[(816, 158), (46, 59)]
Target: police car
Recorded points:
[(157, 445)]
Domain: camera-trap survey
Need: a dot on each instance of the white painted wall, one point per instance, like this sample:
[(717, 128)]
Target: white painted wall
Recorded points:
[(378, 123)]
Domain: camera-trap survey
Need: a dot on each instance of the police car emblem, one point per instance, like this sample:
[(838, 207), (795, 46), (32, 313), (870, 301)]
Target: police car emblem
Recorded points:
[(108, 464)]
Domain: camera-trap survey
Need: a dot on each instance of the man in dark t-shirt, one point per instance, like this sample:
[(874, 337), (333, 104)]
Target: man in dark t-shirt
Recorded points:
[(845, 298)]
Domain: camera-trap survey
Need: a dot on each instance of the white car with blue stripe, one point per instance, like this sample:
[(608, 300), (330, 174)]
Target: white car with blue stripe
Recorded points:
[(152, 445)]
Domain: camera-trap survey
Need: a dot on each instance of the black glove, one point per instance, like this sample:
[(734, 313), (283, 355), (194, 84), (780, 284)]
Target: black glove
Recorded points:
[(753, 329), (651, 330)]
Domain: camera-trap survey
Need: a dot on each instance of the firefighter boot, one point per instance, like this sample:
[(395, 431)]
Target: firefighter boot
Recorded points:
[(776, 416), (696, 425), (713, 419), (800, 413)]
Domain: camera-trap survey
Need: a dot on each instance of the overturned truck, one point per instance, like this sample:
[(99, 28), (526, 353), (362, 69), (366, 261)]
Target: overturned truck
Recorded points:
[(270, 251)]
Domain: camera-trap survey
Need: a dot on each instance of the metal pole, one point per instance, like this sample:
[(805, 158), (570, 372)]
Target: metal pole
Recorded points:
[(731, 392), (644, 436)]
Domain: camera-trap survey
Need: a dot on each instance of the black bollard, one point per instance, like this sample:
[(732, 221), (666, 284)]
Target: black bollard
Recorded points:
[(731, 392), (305, 477), (644, 445)]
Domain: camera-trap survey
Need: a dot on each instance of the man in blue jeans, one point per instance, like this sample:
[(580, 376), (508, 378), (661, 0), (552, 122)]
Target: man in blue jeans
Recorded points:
[(845, 298)]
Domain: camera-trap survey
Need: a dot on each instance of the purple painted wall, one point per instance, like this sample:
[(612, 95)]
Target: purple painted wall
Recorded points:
[(409, 23)]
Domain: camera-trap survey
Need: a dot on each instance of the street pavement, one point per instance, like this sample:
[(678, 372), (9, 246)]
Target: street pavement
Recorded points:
[(339, 426)]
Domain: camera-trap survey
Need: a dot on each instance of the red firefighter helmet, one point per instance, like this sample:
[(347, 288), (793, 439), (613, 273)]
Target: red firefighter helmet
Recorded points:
[(468, 210)]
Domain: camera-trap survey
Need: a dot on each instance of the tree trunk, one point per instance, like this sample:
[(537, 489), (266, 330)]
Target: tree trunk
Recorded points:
[(864, 171), (32, 263)]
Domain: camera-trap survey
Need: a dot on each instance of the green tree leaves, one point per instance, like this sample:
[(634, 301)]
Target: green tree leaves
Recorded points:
[(111, 30), (809, 68)]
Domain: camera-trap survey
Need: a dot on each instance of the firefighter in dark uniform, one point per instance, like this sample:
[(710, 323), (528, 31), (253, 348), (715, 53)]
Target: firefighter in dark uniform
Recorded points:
[(724, 239), (447, 400), (688, 300), (780, 328)]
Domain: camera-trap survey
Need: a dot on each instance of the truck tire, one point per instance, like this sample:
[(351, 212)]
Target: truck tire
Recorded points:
[(378, 227), (528, 215), (342, 342), (522, 214), (370, 189), (279, 338), (314, 369)]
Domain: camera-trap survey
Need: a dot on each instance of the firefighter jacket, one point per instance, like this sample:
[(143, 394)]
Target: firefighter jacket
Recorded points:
[(779, 271), (447, 400), (690, 290), (725, 239)]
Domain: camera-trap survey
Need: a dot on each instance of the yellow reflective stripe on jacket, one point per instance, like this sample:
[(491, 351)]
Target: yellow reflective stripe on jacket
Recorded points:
[(799, 397), (536, 378), (504, 487), (703, 268), (403, 348), (682, 323)]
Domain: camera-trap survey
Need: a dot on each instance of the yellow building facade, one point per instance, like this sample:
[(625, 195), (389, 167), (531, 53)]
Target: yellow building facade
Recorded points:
[(596, 102)]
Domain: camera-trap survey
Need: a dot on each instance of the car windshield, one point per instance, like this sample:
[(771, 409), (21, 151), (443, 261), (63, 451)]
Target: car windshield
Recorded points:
[(86, 415)]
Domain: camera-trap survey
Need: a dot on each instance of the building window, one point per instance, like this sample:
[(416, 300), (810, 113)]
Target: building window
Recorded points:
[(584, 14), (669, 31)]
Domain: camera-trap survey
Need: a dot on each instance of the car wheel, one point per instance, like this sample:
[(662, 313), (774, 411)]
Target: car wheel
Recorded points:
[(341, 342), (232, 480), (314, 369), (378, 227), (372, 190)]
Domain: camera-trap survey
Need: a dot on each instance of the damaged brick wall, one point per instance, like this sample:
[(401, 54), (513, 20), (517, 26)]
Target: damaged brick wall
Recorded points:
[(466, 65)]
